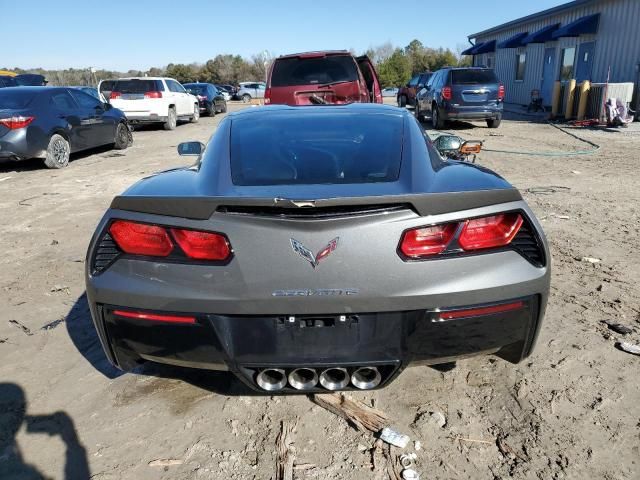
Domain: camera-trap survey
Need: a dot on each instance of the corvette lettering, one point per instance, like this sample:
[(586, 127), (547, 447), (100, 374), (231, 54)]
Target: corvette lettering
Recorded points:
[(322, 292)]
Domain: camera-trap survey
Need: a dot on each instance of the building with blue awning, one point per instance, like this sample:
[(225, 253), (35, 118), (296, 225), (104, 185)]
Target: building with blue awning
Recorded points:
[(581, 39)]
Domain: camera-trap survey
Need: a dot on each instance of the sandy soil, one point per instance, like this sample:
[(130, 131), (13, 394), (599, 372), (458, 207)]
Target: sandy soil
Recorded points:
[(569, 411)]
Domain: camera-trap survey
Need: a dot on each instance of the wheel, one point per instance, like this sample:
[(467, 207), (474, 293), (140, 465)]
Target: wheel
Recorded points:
[(417, 112), (58, 152), (402, 101), (123, 137), (494, 122), (436, 120), (224, 107), (196, 114), (211, 111), (172, 119), (246, 98)]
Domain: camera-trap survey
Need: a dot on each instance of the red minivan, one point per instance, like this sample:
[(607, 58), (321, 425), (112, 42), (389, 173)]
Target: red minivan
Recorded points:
[(317, 78)]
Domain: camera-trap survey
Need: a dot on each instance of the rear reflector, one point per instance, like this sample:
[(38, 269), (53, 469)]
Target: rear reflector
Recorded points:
[(13, 123), (478, 312), (426, 241), (154, 317), (202, 245), (153, 95), (490, 232), (141, 239)]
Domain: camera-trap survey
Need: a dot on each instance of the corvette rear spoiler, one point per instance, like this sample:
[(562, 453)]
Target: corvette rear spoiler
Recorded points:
[(202, 208)]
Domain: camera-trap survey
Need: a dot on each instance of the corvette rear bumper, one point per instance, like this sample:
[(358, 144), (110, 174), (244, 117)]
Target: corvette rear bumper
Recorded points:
[(388, 341)]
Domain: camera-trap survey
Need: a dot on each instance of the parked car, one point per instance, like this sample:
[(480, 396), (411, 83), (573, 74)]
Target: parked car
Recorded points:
[(7, 81), (93, 91), (210, 99), (390, 92), (31, 80), (469, 93), (201, 267), (407, 94), (53, 122), (322, 77), (223, 91), (153, 100), (250, 90)]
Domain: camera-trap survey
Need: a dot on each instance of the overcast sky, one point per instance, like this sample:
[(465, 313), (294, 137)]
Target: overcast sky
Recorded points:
[(139, 34)]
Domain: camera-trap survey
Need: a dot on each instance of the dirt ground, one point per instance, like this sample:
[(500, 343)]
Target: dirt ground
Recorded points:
[(571, 410)]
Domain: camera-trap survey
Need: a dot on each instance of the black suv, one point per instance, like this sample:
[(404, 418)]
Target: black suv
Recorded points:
[(471, 93)]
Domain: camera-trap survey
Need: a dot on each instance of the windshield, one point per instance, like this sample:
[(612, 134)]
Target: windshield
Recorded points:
[(16, 98), (316, 148), (196, 89), (137, 86), (459, 77), (312, 71)]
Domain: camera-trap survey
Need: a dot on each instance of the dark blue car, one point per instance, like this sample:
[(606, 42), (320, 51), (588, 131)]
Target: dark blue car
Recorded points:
[(470, 93), (53, 122), (210, 99)]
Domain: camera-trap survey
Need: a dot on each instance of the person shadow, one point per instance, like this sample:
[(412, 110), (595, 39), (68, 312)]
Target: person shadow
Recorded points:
[(13, 414)]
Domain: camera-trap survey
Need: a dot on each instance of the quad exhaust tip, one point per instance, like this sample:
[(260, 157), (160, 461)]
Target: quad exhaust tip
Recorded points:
[(366, 378), (334, 378), (303, 378), (271, 379)]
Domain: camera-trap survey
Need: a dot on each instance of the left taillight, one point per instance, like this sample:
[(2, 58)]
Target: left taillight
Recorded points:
[(158, 241), (426, 241), (16, 122), (153, 94), (267, 96), (490, 232), (141, 239)]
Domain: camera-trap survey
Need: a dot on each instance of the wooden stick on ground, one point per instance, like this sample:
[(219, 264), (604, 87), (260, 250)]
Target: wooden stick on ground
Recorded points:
[(359, 415), (286, 450)]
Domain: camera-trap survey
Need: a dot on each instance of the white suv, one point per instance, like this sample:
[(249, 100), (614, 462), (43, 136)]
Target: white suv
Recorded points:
[(152, 100)]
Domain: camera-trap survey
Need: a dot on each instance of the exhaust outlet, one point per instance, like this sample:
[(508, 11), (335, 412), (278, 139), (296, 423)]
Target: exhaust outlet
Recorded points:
[(334, 378), (365, 378), (271, 379), (303, 378)]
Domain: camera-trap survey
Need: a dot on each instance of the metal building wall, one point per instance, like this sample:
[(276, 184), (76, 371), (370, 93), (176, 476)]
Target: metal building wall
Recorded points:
[(617, 44)]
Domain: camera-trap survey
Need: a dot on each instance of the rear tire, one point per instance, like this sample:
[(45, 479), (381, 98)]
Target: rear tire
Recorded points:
[(402, 101), (436, 120), (246, 98), (123, 137), (58, 152), (417, 112), (196, 113), (494, 122), (224, 107), (211, 111), (172, 119)]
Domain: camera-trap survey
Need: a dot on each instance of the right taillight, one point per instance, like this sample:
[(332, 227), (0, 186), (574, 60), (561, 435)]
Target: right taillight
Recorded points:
[(153, 94), (114, 95), (141, 239), (446, 93), (426, 241), (490, 232), (501, 92), (202, 245), (267, 96)]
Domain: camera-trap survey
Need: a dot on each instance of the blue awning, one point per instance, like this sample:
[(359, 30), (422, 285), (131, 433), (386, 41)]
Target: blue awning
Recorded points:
[(542, 35), (469, 50), (582, 26), (486, 47), (513, 42)]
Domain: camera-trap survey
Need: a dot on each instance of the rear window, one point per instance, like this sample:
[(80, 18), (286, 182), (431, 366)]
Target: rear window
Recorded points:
[(17, 98), (473, 76), (312, 71), (196, 89), (137, 86), (316, 148)]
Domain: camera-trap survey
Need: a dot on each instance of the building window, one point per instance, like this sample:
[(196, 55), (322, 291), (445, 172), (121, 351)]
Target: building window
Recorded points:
[(490, 60), (521, 60), (566, 64)]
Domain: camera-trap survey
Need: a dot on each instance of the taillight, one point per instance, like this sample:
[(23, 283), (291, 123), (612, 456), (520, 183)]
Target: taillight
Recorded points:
[(13, 123), (267, 96), (141, 239), (446, 93), (426, 241), (501, 92), (154, 317), (490, 232), (480, 311), (153, 95), (202, 245), (114, 95)]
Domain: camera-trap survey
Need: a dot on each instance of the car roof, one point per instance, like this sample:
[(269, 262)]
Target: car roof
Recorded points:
[(36, 89), (198, 83), (143, 78), (316, 53)]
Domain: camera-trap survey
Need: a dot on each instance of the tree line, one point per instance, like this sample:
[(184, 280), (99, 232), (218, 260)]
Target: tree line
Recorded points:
[(395, 66)]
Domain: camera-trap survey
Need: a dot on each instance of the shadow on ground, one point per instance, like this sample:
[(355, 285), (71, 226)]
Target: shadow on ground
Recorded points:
[(33, 164)]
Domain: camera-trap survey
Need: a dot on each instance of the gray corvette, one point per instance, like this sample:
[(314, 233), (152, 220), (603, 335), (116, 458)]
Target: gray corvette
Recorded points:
[(317, 248)]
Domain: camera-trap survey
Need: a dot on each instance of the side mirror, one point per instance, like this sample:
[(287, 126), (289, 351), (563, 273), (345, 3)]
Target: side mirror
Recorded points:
[(106, 106), (420, 86), (191, 149), (447, 143)]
